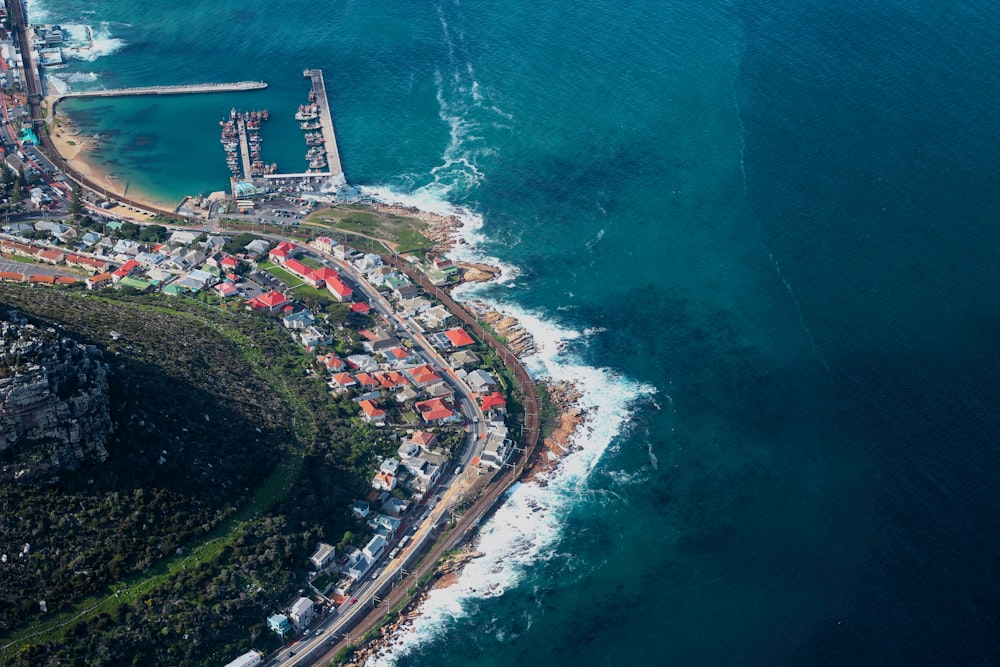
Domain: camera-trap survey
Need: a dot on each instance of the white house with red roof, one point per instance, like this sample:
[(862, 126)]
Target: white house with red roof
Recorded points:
[(360, 307), (124, 270), (423, 375), (342, 381), (371, 413), (332, 362), (283, 252), (271, 302), (494, 401), (436, 411)]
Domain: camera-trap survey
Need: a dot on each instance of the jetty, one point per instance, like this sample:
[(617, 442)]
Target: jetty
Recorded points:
[(326, 125), (183, 89), (241, 129)]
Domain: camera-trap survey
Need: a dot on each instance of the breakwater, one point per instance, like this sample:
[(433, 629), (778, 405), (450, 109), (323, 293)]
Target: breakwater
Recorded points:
[(184, 89)]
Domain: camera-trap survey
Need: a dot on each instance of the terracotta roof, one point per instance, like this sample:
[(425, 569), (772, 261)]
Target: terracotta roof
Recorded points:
[(370, 409), (423, 374), (343, 379), (366, 380), (434, 410), (359, 307), (48, 280), (423, 438), (494, 400), (337, 287), (10, 275), (125, 269), (298, 268), (458, 337)]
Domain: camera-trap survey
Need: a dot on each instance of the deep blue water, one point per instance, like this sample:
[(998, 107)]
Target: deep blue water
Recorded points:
[(782, 216)]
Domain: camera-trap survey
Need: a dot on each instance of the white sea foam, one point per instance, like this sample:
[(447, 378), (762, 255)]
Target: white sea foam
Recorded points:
[(37, 12), (524, 529)]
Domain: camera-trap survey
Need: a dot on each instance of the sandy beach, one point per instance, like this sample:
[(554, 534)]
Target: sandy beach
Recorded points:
[(74, 148)]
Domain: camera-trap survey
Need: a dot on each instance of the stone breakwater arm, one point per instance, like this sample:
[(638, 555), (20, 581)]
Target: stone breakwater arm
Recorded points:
[(170, 90)]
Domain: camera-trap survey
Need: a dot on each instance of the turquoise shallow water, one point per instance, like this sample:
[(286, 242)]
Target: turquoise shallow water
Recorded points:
[(777, 218)]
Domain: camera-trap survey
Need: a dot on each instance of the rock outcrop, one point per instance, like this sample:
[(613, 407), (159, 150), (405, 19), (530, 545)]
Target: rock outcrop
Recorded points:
[(54, 406)]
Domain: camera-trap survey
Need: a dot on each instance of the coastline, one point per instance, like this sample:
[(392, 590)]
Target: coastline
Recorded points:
[(569, 420), (74, 148)]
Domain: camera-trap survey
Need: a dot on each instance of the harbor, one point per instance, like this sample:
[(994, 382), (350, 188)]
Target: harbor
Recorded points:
[(323, 170)]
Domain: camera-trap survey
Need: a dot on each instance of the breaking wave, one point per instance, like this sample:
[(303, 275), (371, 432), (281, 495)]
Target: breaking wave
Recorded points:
[(529, 522)]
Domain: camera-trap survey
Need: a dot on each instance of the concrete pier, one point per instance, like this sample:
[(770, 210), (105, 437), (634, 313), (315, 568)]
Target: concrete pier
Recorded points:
[(241, 131), (326, 126), (169, 90)]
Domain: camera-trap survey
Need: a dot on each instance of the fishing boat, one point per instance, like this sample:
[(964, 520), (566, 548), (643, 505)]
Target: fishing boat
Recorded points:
[(309, 125), (317, 162)]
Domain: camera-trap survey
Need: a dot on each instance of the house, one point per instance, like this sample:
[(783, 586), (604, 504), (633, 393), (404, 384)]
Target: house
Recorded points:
[(464, 358), (324, 244), (436, 410), (405, 394), (100, 281), (371, 413), (229, 263), (52, 256), (90, 238), (257, 247), (422, 375), (368, 262), (435, 317), (126, 247), (494, 401), (389, 523), (395, 506), (271, 302), (407, 291), (414, 305), (357, 565), (367, 380), (423, 439), (458, 337), (383, 481), (374, 548), (362, 362), (226, 290), (332, 362), (423, 473), (497, 449), (360, 508), (398, 356), (391, 379), (479, 381), (283, 252), (313, 337), (299, 320), (323, 556), (439, 389), (279, 624), (301, 613), (342, 381), (125, 269)]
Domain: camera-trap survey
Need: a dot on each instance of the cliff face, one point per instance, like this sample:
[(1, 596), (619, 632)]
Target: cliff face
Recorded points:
[(54, 412)]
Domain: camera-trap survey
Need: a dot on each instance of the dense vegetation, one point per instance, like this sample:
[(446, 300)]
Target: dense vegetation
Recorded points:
[(228, 448)]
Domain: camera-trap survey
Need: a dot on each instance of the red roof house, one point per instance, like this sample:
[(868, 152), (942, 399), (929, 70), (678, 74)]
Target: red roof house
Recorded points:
[(269, 301), (343, 380), (493, 401), (423, 438), (371, 412), (124, 270), (422, 375), (282, 252), (359, 307), (338, 289), (458, 338), (435, 410)]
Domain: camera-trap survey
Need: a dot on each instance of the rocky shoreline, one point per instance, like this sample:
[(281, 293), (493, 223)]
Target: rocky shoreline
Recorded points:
[(565, 396)]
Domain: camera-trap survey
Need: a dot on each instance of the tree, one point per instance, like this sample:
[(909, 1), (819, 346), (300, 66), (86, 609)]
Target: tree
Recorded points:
[(76, 207)]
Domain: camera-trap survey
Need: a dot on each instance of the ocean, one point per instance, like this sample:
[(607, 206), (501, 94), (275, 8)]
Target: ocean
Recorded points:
[(762, 238)]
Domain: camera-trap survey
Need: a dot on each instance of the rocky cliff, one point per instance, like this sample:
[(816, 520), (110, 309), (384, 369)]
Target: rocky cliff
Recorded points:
[(54, 412)]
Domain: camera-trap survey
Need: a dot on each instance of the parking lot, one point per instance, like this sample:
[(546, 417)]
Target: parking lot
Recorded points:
[(8, 265)]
